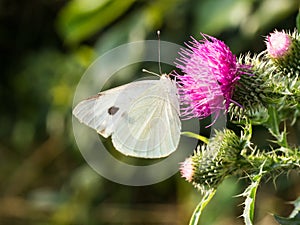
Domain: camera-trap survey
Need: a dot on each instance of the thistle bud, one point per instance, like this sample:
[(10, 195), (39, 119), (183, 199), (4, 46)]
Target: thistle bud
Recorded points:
[(278, 44), (283, 52), (283, 49), (211, 163)]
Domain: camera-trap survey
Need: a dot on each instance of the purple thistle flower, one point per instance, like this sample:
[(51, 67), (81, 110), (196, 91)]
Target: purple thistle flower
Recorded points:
[(211, 72)]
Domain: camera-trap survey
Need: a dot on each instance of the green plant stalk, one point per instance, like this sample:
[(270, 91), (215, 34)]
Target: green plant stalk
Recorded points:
[(273, 126)]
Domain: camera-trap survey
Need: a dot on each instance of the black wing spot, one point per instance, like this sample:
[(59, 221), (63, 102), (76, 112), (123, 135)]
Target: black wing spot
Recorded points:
[(113, 110)]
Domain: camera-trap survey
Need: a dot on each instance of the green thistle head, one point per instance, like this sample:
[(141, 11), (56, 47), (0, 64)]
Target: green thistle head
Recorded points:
[(211, 163), (249, 93)]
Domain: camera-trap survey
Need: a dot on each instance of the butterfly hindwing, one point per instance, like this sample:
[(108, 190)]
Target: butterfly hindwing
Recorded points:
[(151, 126)]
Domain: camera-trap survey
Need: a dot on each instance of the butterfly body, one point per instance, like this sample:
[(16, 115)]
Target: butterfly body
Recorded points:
[(142, 117)]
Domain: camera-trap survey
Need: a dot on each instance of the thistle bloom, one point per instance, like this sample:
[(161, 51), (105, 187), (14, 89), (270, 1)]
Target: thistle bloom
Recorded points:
[(211, 72), (278, 44)]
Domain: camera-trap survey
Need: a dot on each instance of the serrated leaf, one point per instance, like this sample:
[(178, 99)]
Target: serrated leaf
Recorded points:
[(250, 194), (288, 221), (202, 204), (294, 217), (296, 210)]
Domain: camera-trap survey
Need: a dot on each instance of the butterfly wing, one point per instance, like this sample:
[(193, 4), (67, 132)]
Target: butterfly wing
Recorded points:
[(150, 127), (103, 111)]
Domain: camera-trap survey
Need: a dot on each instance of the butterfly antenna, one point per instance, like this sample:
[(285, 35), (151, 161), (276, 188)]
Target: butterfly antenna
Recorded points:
[(159, 66), (150, 72)]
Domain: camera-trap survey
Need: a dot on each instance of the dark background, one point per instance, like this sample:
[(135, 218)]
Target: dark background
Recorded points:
[(46, 45)]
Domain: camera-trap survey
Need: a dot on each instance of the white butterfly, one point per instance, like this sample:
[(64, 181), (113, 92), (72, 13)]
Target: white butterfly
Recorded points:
[(142, 117)]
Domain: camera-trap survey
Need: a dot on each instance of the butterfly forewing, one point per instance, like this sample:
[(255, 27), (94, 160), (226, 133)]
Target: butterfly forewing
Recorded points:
[(102, 111)]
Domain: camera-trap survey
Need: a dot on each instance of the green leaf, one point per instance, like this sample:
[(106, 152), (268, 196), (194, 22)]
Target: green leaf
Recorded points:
[(294, 217), (196, 136), (298, 20), (250, 194), (296, 209), (202, 204), (80, 19), (288, 221)]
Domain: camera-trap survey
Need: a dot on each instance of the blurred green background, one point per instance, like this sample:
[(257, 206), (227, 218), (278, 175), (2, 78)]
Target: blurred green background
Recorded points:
[(46, 45)]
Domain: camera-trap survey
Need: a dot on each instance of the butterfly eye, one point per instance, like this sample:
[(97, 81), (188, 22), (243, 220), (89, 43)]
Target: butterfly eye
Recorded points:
[(113, 110)]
